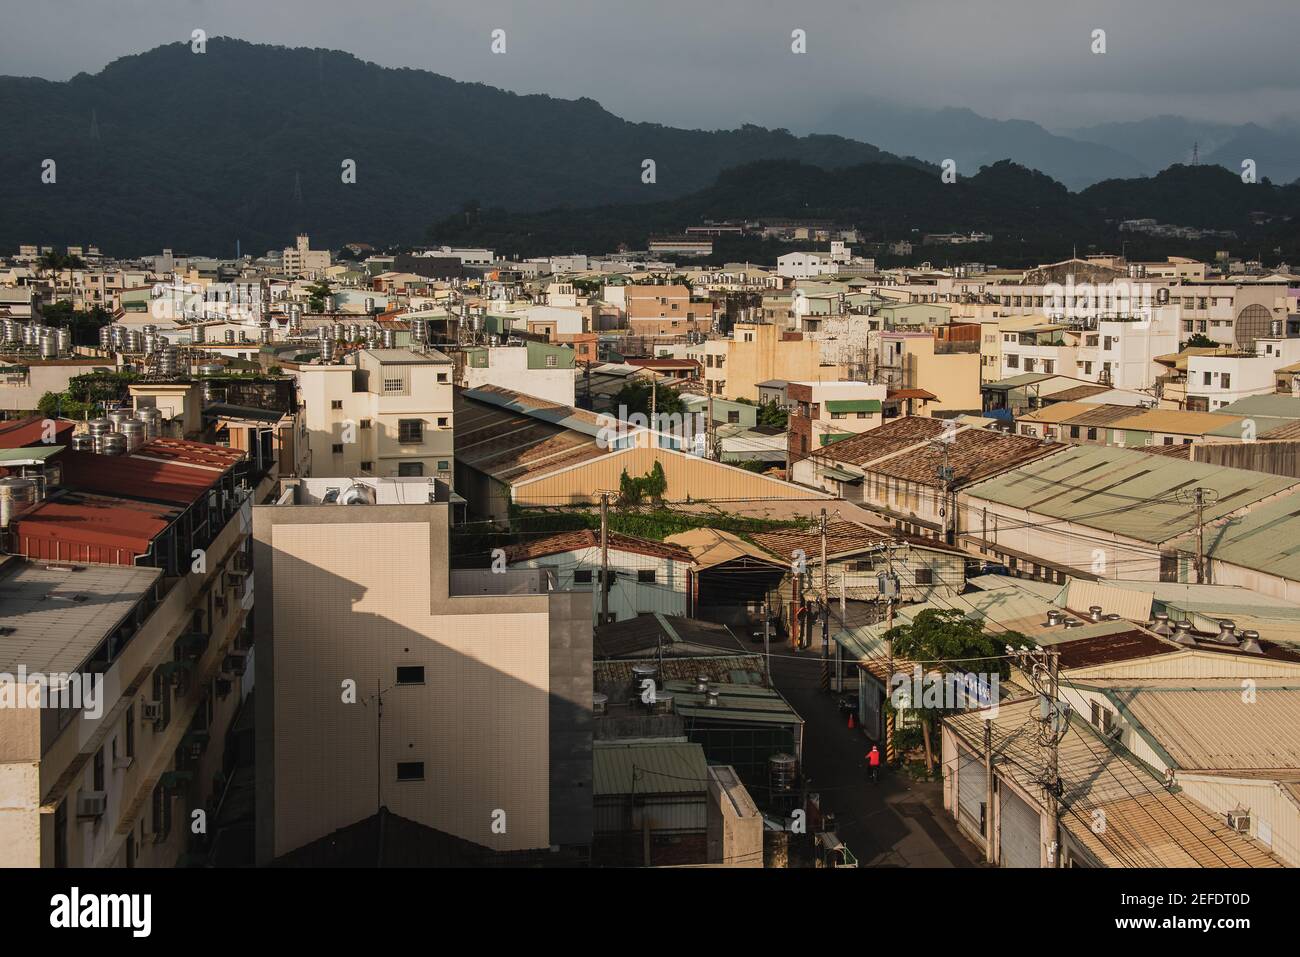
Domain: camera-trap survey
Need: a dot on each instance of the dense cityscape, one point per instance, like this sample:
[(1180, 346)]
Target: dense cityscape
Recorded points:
[(800, 539)]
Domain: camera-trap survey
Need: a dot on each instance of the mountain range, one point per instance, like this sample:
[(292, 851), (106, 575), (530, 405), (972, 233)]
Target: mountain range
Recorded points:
[(249, 143), (1077, 157)]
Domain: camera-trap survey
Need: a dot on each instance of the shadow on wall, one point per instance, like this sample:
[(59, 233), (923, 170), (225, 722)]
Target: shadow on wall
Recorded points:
[(365, 724)]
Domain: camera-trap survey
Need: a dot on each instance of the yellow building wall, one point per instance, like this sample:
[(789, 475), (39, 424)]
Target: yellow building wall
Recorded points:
[(687, 475)]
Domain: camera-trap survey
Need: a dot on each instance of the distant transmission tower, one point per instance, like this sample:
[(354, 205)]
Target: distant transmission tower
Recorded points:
[(1196, 153)]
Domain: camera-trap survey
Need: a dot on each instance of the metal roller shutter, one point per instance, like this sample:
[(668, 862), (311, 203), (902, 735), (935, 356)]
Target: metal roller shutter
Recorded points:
[(972, 785), (1020, 831)]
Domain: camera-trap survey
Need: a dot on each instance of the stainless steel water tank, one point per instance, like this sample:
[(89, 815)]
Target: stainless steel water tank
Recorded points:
[(16, 496)]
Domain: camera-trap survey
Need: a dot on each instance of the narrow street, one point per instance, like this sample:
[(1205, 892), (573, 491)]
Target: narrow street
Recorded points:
[(895, 823)]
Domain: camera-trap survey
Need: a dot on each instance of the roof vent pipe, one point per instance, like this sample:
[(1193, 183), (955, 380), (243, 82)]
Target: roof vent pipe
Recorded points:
[(1161, 626), (712, 699), (1183, 633), (1073, 623), (1094, 612), (1053, 618), (1250, 643), (701, 684), (1227, 632)]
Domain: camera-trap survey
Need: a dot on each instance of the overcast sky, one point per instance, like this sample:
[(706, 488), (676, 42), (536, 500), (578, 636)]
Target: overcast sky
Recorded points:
[(720, 63)]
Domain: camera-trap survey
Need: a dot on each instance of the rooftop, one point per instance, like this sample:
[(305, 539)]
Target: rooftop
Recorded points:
[(61, 613), (1146, 825), (1126, 492), (902, 449), (587, 538)]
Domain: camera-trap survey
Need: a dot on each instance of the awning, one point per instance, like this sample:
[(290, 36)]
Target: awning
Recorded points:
[(829, 438), (853, 405)]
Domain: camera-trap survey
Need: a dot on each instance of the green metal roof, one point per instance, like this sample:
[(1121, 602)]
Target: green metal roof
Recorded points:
[(840, 475), (670, 767), (748, 704), (1282, 406), (1267, 538), (829, 438), (31, 453), (1017, 381), (1126, 492), (853, 405)]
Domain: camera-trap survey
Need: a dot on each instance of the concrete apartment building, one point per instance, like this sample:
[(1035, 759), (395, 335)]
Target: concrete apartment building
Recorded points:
[(662, 310), (98, 583), (947, 371), (533, 368), (303, 262), (386, 412), (826, 412), (484, 680), (758, 352)]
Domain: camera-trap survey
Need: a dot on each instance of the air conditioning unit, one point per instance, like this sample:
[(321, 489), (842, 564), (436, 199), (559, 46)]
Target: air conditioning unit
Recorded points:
[(1239, 821), (152, 711), (91, 804)]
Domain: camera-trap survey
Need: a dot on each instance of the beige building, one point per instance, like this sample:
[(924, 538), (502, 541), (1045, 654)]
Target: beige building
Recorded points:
[(301, 261), (388, 412), (758, 352), (461, 701), (913, 360)]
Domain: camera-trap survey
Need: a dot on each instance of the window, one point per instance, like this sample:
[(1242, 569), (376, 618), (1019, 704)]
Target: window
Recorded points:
[(410, 770), (444, 465), (1092, 433), (733, 417), (582, 576), (337, 448), (1206, 380), (1013, 362), (410, 674), (925, 576), (646, 575), (410, 469), (1074, 431), (1225, 380), (442, 377), (442, 421), (365, 423), (162, 814), (336, 403), (837, 415), (98, 773), (394, 385), (410, 431), (367, 466), (550, 362)]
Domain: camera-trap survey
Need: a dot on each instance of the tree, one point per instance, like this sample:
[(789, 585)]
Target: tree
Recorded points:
[(772, 414), (1199, 341), (652, 485), (635, 396), (317, 294), (946, 641)]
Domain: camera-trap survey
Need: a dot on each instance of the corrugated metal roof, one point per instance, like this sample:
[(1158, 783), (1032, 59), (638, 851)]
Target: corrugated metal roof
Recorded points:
[(711, 547), (676, 767), (60, 613), (1146, 825), (1176, 420), (853, 405), (586, 538), (1266, 538), (1214, 729), (736, 702), (1282, 406), (1126, 492)]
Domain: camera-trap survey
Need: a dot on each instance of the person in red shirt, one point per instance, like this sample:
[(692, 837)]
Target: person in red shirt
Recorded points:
[(873, 762)]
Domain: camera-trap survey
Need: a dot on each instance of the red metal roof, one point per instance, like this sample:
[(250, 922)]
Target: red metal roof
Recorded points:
[(27, 432), (90, 528), (165, 470)]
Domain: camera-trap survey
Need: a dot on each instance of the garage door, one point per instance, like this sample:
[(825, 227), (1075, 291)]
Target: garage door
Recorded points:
[(1019, 832), (971, 789)]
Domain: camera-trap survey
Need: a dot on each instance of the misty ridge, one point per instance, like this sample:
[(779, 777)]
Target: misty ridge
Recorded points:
[(245, 142)]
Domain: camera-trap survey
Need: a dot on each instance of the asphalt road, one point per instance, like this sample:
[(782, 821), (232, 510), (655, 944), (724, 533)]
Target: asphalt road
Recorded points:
[(895, 823)]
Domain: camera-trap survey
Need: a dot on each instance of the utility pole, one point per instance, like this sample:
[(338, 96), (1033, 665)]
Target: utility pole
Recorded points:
[(708, 429), (604, 557), (1054, 774), (988, 790), (767, 650), (1200, 535), (826, 592)]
